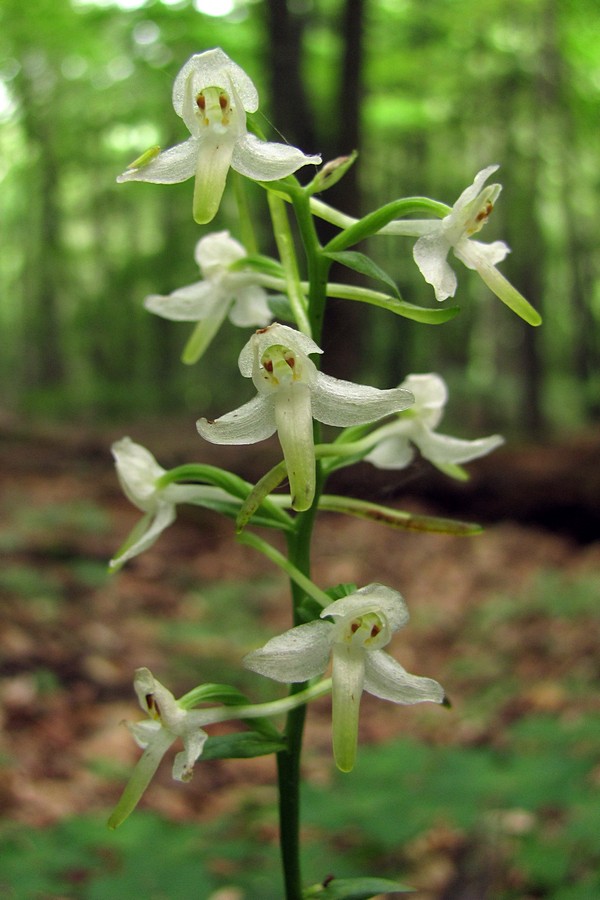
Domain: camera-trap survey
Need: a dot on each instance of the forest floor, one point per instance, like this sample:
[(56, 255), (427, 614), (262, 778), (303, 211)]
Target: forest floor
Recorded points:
[(490, 620)]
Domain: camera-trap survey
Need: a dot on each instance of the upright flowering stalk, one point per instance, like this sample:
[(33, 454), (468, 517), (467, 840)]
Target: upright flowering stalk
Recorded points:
[(212, 95), (416, 428), (291, 392), (362, 623), (222, 293)]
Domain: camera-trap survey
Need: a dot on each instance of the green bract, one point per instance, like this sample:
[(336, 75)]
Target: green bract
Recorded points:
[(212, 95)]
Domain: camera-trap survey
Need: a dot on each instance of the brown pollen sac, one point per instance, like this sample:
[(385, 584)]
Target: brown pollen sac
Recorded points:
[(152, 705), (268, 365), (375, 631), (483, 214), (291, 361), (223, 101), (354, 627), (201, 102)]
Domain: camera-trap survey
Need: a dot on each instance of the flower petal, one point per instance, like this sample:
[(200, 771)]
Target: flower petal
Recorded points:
[(164, 516), (215, 252), (430, 253), (191, 303), (297, 655), (252, 422), (442, 449), (385, 678), (268, 337), (137, 471), (475, 254), (212, 68), (341, 403), (431, 395), (266, 161), (250, 307), (183, 764), (471, 192), (372, 598), (393, 452), (169, 167)]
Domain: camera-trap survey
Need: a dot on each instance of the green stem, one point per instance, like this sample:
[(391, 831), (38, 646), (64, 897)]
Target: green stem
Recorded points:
[(287, 254), (317, 263), (288, 761)]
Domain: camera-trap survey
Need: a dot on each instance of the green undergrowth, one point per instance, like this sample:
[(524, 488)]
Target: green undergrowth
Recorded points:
[(534, 806)]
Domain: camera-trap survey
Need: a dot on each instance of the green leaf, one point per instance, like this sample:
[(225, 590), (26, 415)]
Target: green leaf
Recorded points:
[(241, 745), (354, 889), (363, 264)]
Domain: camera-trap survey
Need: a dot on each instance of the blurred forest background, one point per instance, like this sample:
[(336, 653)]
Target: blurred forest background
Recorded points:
[(429, 92)]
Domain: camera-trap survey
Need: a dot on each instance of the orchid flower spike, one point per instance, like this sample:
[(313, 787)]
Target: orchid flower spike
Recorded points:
[(363, 623), (394, 447), (212, 95), (222, 293), (167, 721), (467, 217), (291, 392), (138, 473)]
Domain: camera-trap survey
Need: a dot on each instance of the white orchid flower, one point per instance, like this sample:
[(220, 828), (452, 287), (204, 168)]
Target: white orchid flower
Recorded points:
[(455, 232), (167, 721), (291, 392), (222, 293), (394, 447), (212, 95), (363, 623), (138, 472)]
